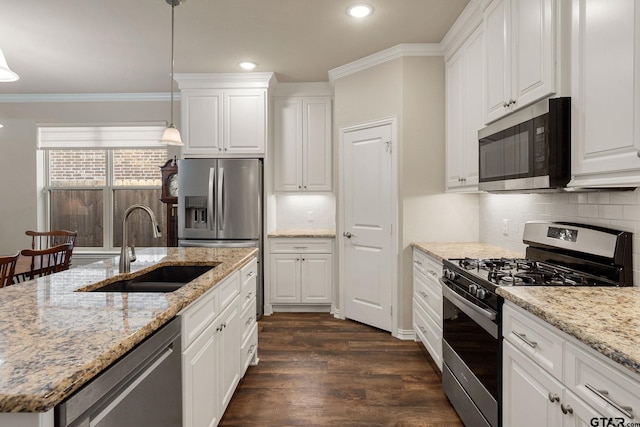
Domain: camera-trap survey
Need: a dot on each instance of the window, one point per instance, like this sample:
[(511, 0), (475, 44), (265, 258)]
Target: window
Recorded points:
[(92, 175)]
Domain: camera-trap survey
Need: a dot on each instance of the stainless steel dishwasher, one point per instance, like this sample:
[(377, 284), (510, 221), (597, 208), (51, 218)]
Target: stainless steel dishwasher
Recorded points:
[(142, 389)]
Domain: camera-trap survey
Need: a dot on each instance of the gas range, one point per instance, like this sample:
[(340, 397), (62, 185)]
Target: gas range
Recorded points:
[(558, 254)]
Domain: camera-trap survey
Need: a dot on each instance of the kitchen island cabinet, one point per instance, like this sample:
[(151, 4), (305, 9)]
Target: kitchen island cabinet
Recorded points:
[(56, 338)]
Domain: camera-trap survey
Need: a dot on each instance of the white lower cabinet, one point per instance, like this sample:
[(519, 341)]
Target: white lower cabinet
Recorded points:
[(427, 304), (212, 358), (551, 379), (301, 273)]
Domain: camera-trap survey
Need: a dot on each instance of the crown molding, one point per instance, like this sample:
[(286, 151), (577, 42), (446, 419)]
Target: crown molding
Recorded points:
[(224, 80), (399, 51), (463, 27), (86, 97)]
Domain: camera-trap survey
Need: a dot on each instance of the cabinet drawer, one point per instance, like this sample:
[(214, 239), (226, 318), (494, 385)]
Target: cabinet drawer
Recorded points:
[(428, 332), (429, 295), (533, 337), (228, 290), (246, 296), (249, 274), (198, 315), (426, 265), (300, 246), (607, 389), (249, 349), (248, 318)]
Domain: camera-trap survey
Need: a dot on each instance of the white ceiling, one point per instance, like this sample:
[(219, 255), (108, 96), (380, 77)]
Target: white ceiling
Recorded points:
[(123, 46)]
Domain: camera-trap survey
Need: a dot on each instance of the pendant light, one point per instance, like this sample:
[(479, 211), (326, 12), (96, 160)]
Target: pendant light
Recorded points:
[(171, 135), (6, 75)]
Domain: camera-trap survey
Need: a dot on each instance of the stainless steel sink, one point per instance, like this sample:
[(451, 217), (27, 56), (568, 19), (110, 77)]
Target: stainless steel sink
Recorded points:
[(163, 279)]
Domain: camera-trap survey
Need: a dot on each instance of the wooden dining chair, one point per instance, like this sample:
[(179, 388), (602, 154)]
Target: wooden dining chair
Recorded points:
[(47, 239), (48, 261), (7, 269)]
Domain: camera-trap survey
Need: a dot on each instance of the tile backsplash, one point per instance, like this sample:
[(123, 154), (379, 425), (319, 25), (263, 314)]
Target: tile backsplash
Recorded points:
[(502, 216), (305, 211)]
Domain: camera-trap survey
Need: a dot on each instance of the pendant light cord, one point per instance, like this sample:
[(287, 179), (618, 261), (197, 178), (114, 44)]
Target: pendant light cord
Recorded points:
[(173, 7)]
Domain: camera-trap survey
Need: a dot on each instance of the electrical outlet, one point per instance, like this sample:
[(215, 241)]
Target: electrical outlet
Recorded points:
[(310, 216), (505, 227)]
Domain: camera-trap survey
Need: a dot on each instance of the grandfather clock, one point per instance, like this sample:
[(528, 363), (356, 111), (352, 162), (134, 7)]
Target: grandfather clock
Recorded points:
[(170, 199)]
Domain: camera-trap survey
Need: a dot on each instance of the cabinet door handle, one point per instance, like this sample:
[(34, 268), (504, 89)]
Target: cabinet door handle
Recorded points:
[(523, 337), (253, 346), (433, 273), (424, 294), (603, 394), (347, 235), (417, 262), (553, 397), (566, 409)]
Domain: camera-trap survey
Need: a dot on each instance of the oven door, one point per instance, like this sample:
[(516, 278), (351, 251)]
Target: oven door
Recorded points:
[(471, 356)]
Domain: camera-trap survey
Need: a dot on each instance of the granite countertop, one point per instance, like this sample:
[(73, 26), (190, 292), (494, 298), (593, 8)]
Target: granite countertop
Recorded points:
[(304, 233), (444, 250), (606, 319), (53, 339)]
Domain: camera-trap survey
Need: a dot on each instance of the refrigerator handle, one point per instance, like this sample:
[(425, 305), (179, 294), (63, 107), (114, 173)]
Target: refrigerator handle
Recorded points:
[(212, 178), (221, 199)]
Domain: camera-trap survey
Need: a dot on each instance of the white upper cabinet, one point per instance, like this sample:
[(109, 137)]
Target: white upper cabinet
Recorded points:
[(302, 139), (519, 54), (465, 113), (224, 115), (605, 94)]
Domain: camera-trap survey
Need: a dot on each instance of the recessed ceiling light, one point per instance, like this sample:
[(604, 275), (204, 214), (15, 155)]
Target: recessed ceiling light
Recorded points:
[(360, 10), (247, 65)]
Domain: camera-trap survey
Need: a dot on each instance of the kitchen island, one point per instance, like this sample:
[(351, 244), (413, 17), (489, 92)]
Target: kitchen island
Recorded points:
[(55, 338)]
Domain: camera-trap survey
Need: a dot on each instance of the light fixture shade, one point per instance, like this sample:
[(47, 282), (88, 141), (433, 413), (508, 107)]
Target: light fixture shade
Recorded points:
[(6, 75), (171, 136)]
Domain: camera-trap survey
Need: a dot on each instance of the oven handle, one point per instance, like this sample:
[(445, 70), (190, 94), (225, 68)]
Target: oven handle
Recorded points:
[(485, 318)]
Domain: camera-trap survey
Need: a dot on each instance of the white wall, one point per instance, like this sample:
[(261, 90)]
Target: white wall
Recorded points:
[(618, 210), (412, 90)]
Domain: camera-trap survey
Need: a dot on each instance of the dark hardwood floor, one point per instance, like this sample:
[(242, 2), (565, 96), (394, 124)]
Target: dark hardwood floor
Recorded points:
[(316, 370)]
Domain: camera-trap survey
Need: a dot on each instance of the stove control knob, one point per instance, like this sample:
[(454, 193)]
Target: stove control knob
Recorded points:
[(481, 293), (450, 274), (473, 288)]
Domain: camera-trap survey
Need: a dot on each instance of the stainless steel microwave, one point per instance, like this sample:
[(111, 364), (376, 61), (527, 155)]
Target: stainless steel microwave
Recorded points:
[(528, 150)]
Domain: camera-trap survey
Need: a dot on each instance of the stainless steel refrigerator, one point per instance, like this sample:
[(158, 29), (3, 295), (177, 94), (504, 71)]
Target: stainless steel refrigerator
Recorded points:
[(220, 205)]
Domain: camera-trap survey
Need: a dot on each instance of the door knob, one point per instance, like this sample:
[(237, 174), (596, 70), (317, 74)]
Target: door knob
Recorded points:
[(347, 234)]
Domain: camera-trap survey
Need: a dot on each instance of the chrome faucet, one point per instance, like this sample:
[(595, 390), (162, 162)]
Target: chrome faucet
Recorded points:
[(125, 259)]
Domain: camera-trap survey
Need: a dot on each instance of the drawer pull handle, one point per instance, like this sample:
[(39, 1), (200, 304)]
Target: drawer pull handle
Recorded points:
[(424, 294), (249, 295), (417, 262), (250, 275), (523, 337), (300, 247), (253, 346), (249, 320), (433, 273), (424, 331), (603, 394), (566, 409), (553, 397)]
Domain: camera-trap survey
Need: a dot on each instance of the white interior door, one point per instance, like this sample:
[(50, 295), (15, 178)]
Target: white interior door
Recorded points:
[(367, 250)]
